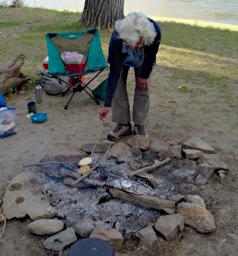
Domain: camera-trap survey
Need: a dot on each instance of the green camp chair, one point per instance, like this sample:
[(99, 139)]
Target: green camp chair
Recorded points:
[(88, 44)]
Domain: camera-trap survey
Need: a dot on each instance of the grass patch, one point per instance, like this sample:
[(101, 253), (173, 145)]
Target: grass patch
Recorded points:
[(201, 55)]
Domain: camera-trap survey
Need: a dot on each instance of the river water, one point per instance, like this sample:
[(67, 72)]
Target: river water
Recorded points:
[(221, 11)]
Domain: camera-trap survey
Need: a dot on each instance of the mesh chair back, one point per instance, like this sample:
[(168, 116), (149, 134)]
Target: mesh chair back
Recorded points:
[(86, 42)]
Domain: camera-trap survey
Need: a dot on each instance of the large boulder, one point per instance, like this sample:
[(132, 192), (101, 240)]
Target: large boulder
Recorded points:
[(139, 141), (59, 241), (45, 227), (121, 152), (197, 143), (99, 148), (147, 236), (192, 154), (112, 236), (169, 226), (84, 227), (195, 199), (197, 217), (164, 150), (213, 161), (23, 197)]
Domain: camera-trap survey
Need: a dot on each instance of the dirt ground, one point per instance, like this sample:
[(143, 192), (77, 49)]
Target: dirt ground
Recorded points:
[(173, 115)]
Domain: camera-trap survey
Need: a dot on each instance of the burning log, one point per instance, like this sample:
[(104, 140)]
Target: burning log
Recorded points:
[(11, 76), (148, 202)]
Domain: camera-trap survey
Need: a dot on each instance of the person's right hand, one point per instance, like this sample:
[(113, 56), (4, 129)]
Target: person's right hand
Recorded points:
[(103, 112)]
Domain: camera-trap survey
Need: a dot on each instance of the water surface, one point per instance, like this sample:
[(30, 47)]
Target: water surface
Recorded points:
[(220, 11)]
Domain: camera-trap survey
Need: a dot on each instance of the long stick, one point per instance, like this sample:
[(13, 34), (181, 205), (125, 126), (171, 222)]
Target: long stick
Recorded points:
[(157, 164), (98, 139), (39, 164)]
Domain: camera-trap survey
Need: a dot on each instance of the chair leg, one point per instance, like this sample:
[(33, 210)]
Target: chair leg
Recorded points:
[(92, 97), (64, 93), (70, 99)]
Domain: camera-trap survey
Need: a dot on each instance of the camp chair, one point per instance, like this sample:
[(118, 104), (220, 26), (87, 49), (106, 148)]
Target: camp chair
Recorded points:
[(88, 44)]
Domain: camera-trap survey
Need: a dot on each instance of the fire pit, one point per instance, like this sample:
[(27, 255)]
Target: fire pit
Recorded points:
[(118, 193)]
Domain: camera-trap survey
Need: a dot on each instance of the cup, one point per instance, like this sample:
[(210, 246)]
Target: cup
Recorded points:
[(31, 107)]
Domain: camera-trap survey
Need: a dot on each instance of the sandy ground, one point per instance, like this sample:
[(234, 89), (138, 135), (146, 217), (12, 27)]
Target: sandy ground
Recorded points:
[(173, 115)]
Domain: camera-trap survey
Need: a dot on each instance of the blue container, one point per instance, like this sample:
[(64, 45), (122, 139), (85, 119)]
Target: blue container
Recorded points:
[(39, 118), (3, 101)]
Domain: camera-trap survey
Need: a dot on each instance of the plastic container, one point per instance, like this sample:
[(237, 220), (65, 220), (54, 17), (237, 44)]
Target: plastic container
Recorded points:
[(7, 122), (3, 101), (73, 65), (39, 118)]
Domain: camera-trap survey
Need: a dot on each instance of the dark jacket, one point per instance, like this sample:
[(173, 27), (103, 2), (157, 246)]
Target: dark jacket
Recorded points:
[(116, 58)]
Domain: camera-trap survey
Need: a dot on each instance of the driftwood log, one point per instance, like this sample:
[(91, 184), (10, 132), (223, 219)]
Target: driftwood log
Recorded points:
[(149, 202), (11, 75)]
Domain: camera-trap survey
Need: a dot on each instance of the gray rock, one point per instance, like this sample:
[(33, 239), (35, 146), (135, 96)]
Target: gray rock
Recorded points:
[(121, 151), (140, 142), (156, 145), (136, 152), (45, 227), (59, 241), (205, 170), (147, 236), (195, 199), (84, 228), (112, 236), (169, 226), (184, 175), (214, 162), (197, 217), (163, 149), (200, 180), (176, 151), (197, 143), (192, 154), (23, 197), (100, 148)]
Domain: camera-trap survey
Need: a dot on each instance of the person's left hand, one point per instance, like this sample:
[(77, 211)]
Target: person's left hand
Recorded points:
[(142, 84)]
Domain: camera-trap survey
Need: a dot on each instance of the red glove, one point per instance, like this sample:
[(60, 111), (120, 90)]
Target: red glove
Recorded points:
[(142, 84), (103, 112)]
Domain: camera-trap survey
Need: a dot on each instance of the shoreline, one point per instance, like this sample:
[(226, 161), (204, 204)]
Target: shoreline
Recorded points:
[(189, 21)]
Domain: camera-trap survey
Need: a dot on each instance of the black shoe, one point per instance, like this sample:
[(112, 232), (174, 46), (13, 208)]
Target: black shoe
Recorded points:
[(139, 130), (119, 131)]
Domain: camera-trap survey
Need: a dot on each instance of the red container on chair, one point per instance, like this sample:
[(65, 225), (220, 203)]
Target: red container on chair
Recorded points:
[(73, 66)]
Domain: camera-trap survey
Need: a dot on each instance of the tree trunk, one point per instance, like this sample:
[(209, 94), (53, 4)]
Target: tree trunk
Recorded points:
[(102, 13)]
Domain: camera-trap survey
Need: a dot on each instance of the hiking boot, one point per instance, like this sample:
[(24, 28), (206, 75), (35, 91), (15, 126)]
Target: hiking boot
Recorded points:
[(139, 130), (119, 131)]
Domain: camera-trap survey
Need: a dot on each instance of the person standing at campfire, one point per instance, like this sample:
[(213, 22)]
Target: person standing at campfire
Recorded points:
[(134, 43)]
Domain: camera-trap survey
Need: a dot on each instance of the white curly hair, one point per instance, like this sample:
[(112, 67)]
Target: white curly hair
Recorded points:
[(134, 26)]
